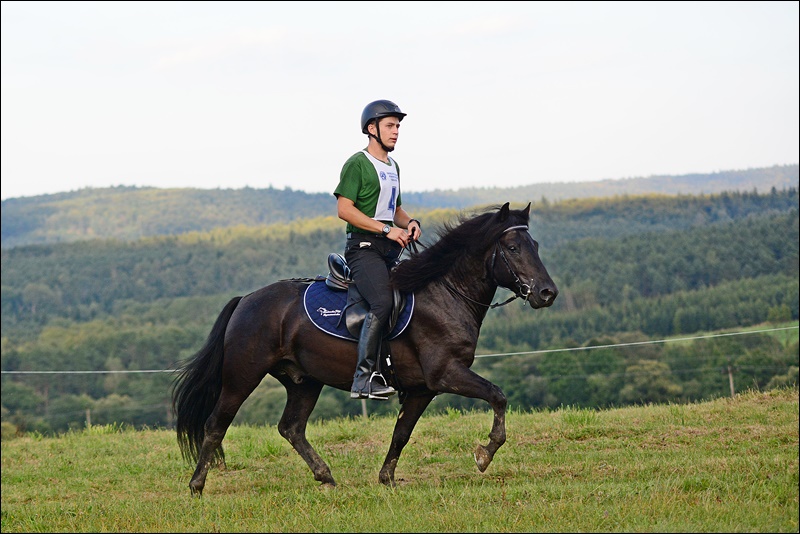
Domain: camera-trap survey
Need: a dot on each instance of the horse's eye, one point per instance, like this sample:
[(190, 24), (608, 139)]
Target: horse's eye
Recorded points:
[(512, 248)]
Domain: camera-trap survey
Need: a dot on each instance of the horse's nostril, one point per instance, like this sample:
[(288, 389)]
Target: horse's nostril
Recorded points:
[(548, 294)]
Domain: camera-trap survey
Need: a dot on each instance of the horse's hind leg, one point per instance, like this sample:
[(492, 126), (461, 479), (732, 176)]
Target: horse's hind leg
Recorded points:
[(300, 401), (214, 431), (407, 419)]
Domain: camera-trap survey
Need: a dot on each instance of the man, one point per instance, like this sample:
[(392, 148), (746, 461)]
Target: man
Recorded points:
[(368, 199)]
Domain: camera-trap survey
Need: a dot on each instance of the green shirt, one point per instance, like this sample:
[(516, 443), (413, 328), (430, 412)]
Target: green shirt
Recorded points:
[(373, 186)]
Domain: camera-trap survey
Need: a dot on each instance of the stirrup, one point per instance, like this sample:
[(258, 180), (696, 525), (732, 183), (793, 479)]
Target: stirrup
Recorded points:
[(387, 392)]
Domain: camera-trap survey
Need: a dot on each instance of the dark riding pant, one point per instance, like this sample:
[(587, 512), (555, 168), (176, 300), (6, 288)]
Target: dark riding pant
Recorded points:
[(370, 257)]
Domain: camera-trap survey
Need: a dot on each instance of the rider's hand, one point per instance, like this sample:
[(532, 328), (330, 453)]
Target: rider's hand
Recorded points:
[(399, 235), (415, 230)]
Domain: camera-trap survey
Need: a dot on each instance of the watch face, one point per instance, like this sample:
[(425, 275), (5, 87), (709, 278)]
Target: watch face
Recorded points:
[(387, 229)]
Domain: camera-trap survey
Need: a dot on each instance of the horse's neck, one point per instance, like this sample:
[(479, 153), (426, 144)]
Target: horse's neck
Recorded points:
[(478, 292)]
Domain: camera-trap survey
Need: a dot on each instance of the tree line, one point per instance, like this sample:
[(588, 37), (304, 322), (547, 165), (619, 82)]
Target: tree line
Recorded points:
[(132, 213)]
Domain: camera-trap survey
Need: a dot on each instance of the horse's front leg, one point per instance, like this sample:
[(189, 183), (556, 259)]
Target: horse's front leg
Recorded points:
[(407, 419), (462, 381), (484, 455)]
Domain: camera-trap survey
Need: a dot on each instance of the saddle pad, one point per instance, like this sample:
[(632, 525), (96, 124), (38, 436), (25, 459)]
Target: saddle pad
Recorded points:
[(324, 307)]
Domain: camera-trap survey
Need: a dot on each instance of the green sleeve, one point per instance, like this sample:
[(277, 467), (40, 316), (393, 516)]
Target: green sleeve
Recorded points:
[(350, 178)]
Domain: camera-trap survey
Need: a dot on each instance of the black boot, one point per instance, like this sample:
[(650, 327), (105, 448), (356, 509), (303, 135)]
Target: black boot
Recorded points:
[(366, 383)]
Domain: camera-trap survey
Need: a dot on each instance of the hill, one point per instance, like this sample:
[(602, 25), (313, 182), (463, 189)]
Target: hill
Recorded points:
[(130, 213)]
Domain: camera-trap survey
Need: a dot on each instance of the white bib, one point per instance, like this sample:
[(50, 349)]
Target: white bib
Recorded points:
[(390, 188)]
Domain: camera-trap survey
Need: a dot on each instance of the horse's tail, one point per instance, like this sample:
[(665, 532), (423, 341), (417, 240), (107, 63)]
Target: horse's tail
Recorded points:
[(197, 387)]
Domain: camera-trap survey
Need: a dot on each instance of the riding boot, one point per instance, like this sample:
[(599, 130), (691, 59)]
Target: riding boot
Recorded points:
[(369, 345)]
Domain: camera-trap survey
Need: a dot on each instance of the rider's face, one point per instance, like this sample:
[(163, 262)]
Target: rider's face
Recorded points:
[(390, 129)]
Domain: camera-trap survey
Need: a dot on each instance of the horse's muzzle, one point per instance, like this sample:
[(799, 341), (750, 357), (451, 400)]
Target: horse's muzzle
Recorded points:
[(542, 298)]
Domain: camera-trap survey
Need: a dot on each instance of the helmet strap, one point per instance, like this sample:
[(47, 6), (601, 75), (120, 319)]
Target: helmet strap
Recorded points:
[(378, 139)]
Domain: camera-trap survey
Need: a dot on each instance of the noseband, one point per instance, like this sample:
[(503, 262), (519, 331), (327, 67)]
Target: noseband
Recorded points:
[(524, 291)]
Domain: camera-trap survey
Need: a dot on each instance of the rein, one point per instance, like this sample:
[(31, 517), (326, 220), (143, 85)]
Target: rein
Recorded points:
[(490, 306), (525, 290)]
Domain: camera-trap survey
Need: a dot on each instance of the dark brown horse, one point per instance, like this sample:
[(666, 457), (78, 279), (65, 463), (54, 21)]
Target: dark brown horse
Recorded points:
[(267, 332)]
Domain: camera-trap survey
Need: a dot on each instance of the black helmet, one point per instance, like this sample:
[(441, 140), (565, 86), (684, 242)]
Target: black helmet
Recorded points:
[(378, 110)]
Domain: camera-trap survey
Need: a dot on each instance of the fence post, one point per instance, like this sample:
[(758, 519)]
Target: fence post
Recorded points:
[(730, 380)]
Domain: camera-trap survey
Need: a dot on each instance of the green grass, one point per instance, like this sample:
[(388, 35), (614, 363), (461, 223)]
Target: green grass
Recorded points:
[(729, 465)]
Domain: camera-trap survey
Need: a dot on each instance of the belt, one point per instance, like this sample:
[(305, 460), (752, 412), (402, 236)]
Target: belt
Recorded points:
[(356, 235)]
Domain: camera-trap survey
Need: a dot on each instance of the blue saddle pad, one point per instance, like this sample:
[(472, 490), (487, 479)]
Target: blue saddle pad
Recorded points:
[(324, 307)]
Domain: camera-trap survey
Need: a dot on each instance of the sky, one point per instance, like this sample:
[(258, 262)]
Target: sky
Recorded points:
[(498, 94)]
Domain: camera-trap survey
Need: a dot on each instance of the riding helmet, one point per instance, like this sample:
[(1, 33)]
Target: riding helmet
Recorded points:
[(378, 110)]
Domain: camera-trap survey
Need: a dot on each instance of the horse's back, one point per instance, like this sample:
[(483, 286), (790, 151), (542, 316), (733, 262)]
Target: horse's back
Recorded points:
[(256, 322)]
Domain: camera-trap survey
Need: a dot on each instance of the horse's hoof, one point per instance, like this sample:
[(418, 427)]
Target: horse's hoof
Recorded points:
[(482, 458), (196, 489), (325, 479), (327, 486)]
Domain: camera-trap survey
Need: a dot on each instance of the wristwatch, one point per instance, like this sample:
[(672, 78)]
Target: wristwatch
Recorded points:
[(386, 229)]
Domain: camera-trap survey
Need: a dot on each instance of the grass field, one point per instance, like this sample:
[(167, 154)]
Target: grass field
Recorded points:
[(728, 465)]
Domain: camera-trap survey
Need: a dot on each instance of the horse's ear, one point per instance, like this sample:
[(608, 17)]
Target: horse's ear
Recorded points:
[(527, 211), (503, 214)]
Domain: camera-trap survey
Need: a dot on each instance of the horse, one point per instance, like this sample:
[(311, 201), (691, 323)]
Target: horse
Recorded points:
[(453, 280)]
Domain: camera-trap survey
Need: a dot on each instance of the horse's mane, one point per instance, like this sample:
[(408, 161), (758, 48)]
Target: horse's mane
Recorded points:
[(458, 242)]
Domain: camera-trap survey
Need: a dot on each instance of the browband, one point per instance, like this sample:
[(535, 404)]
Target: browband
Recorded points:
[(520, 227)]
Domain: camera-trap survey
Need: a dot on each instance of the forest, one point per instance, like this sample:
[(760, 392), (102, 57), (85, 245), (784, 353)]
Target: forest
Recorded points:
[(656, 293)]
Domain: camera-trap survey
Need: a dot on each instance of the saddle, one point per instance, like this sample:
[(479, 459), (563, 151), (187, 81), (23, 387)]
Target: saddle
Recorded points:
[(338, 279)]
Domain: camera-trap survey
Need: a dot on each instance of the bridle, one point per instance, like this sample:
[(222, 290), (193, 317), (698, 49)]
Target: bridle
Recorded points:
[(524, 291)]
